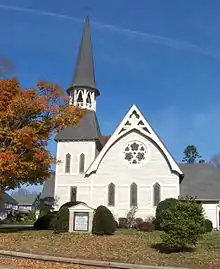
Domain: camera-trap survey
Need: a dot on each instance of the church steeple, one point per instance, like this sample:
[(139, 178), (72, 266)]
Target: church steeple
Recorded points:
[(83, 89)]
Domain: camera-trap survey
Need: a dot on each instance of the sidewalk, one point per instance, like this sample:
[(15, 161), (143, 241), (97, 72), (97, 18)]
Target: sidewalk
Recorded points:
[(93, 263)]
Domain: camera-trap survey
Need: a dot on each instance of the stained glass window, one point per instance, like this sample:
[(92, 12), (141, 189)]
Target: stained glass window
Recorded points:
[(67, 163), (133, 194), (111, 194), (82, 163), (156, 194), (135, 152)]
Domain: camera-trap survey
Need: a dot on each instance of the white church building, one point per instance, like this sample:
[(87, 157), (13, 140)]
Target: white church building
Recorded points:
[(132, 167)]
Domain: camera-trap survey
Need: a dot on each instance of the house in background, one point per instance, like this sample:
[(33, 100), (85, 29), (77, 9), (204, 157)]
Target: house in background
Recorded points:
[(7, 205), (25, 203)]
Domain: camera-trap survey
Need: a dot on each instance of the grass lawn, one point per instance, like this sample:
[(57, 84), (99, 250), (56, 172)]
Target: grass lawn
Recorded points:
[(124, 246)]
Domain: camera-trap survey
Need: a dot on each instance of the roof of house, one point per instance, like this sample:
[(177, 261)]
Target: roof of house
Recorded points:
[(87, 129), (84, 75), (201, 181), (26, 200), (7, 199), (49, 186)]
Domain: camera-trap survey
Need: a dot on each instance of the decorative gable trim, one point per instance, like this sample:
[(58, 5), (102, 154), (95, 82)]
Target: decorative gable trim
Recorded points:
[(134, 121)]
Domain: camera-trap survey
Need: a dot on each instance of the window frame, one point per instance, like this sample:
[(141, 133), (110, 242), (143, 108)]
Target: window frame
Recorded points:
[(82, 163), (132, 186), (156, 188), (111, 200), (68, 163)]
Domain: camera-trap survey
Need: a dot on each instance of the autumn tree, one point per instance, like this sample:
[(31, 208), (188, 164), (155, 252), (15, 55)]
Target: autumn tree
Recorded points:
[(191, 155), (28, 118)]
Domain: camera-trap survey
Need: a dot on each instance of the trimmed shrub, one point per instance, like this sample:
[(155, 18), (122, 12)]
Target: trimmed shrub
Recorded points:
[(44, 210), (70, 204), (103, 222), (183, 224), (122, 223), (162, 206), (208, 226), (46, 222), (138, 222), (146, 226), (62, 220)]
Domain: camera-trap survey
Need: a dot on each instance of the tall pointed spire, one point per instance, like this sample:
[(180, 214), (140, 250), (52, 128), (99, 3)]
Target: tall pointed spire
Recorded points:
[(84, 75)]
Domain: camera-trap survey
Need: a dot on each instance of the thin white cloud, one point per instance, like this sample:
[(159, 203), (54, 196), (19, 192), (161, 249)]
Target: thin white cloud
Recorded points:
[(157, 39), (178, 130)]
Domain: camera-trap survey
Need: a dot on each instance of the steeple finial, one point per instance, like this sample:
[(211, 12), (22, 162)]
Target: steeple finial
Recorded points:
[(84, 75)]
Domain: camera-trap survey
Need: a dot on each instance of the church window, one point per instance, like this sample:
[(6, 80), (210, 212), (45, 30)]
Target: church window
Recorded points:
[(156, 190), (111, 194), (73, 193), (133, 194), (82, 163), (88, 99), (67, 164), (135, 153), (80, 97)]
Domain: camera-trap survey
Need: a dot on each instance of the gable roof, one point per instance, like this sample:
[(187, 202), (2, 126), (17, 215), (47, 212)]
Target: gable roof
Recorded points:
[(201, 181), (87, 129), (135, 121), (49, 187), (26, 199), (7, 199)]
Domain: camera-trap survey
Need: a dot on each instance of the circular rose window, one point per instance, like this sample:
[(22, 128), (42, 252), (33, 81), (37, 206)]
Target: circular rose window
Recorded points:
[(135, 152)]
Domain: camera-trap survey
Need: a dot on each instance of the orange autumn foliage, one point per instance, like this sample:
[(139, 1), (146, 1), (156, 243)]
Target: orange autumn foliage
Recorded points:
[(28, 118)]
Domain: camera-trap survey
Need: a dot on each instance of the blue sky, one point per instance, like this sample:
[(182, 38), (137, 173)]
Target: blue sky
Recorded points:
[(163, 56)]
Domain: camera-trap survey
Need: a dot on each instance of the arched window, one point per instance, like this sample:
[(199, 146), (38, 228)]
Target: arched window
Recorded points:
[(82, 163), (156, 190), (73, 193), (67, 163), (80, 97), (133, 194), (111, 194), (88, 99)]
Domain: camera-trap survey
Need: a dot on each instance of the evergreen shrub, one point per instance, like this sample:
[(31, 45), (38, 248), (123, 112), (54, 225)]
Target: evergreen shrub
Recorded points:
[(46, 222), (70, 204), (183, 224), (162, 207), (103, 222), (62, 220), (208, 226)]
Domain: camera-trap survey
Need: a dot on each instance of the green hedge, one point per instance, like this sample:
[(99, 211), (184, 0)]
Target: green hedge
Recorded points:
[(70, 204), (208, 226), (46, 222), (103, 222), (161, 208), (62, 220)]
